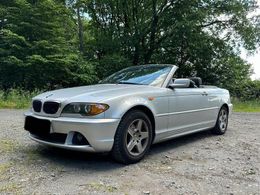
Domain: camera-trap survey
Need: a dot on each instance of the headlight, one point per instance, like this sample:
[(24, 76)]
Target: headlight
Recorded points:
[(85, 109)]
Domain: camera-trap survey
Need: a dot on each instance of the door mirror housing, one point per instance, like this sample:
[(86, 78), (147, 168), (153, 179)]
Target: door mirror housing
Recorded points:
[(180, 83)]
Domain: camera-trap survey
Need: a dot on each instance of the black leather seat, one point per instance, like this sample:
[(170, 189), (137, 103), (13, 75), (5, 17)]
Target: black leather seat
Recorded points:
[(197, 81)]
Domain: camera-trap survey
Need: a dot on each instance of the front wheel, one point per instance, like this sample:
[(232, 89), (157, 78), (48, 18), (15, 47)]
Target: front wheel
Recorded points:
[(222, 122), (133, 137)]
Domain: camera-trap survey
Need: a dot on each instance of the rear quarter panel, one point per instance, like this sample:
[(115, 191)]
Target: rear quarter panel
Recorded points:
[(217, 98)]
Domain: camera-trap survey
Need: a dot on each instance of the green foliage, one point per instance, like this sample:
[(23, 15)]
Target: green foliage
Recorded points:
[(16, 98), (202, 37), (49, 44), (246, 105), (38, 48), (246, 90), (116, 61)]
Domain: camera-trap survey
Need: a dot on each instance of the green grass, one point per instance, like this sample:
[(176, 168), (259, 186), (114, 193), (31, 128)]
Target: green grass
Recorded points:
[(19, 99), (246, 106), (16, 98)]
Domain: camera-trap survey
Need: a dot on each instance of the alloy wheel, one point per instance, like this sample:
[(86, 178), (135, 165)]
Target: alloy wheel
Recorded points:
[(223, 119), (137, 137)]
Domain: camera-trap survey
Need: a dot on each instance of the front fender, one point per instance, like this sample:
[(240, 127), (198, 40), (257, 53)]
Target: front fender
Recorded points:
[(118, 107)]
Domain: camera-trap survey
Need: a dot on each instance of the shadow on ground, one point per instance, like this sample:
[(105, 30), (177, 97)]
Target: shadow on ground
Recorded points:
[(103, 161), (179, 142)]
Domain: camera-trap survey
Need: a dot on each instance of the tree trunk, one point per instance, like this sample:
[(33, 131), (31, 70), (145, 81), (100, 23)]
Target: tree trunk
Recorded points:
[(80, 30), (136, 54), (154, 24)]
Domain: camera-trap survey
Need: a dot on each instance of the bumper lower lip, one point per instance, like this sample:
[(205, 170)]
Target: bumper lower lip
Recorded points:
[(98, 132), (84, 148)]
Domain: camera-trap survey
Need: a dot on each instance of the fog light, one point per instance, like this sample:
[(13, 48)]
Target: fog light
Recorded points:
[(79, 139)]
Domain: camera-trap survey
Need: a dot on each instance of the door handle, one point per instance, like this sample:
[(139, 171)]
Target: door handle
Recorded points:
[(204, 93)]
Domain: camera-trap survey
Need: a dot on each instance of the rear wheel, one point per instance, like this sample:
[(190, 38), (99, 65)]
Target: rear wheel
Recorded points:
[(222, 122), (133, 137)]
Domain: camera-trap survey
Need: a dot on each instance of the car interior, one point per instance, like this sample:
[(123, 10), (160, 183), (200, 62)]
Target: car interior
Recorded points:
[(196, 82)]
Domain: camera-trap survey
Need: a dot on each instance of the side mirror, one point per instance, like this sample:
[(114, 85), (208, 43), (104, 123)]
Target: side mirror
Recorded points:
[(180, 83)]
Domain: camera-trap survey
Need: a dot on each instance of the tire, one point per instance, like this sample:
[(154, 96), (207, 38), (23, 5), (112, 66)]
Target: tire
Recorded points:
[(133, 138), (222, 122)]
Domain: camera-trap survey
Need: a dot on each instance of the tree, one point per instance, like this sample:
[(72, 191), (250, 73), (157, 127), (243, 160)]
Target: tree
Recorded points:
[(38, 48), (69, 42), (196, 35)]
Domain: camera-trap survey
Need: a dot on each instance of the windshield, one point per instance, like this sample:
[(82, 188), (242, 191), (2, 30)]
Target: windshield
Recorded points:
[(153, 75)]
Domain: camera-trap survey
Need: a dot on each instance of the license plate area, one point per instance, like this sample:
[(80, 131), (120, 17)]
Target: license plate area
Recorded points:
[(37, 126)]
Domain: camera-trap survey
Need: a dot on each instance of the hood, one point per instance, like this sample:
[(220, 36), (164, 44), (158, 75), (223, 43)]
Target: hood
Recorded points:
[(92, 93)]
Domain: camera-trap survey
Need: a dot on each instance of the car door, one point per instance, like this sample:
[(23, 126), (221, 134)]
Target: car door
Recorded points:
[(187, 110)]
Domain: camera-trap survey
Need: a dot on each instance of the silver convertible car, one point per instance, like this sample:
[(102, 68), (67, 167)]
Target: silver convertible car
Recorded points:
[(127, 112)]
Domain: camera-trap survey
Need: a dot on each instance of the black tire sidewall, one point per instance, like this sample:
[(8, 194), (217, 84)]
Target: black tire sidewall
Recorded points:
[(122, 133), (217, 128)]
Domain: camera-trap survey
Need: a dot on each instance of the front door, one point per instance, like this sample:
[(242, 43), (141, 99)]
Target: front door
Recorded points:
[(188, 109)]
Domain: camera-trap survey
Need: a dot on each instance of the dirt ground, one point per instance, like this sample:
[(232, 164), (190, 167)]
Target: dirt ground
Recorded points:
[(197, 164)]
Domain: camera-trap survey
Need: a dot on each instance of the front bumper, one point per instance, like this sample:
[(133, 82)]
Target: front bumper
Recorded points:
[(230, 108), (98, 132)]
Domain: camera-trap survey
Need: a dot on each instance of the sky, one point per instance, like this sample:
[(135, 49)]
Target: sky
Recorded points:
[(253, 59)]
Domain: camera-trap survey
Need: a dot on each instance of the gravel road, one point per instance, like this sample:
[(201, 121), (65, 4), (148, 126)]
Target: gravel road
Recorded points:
[(197, 164)]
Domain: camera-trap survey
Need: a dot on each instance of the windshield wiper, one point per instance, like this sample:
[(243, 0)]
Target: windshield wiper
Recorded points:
[(130, 83)]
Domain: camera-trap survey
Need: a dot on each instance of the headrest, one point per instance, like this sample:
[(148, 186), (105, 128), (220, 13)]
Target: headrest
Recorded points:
[(197, 81)]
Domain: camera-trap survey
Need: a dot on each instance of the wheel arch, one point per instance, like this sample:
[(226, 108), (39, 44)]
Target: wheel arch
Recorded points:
[(148, 112), (225, 105)]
